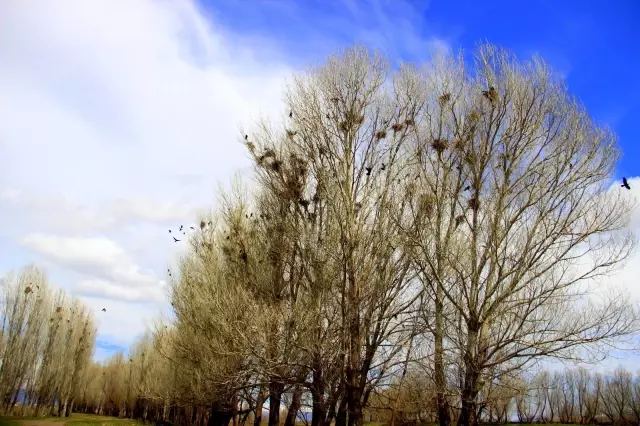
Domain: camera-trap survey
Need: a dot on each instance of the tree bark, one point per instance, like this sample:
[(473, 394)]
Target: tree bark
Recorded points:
[(294, 407), (257, 420), (276, 387)]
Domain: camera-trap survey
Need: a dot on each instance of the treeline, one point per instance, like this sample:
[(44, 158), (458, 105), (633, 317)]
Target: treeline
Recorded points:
[(47, 341), (572, 396), (433, 228)]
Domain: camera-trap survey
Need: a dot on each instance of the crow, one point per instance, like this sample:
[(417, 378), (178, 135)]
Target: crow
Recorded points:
[(169, 230), (290, 114), (467, 188), (368, 169), (175, 239), (181, 226), (384, 166), (246, 137), (191, 227), (625, 184), (104, 310)]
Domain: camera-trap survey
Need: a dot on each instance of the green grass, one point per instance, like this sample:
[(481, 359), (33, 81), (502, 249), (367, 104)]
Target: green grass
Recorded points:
[(74, 419)]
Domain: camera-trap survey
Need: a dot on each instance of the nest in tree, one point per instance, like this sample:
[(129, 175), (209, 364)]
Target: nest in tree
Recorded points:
[(474, 116), (443, 99), (491, 94), (439, 145), (459, 220), (203, 224), (27, 290), (397, 127), (409, 122), (344, 126), (304, 203), (276, 166), (474, 203), (381, 134), (459, 145), (59, 308), (426, 204)]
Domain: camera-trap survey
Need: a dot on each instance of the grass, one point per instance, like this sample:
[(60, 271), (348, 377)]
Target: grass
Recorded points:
[(74, 419)]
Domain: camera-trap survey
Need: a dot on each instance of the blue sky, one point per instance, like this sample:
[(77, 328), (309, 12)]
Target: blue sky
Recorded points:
[(138, 105), (594, 44)]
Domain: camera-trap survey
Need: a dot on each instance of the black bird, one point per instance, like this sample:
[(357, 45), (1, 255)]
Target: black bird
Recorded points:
[(169, 230), (384, 166), (467, 188), (180, 228), (246, 137), (290, 114), (175, 239), (368, 169), (192, 228), (625, 184), (104, 310)]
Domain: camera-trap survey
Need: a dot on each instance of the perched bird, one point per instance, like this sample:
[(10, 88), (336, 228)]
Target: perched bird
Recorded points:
[(625, 184), (368, 169), (246, 137), (104, 309), (175, 239), (290, 114), (467, 188), (384, 166)]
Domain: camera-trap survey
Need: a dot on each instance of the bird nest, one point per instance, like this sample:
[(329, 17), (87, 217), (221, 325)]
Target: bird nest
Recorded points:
[(474, 203), (439, 145), (381, 134)]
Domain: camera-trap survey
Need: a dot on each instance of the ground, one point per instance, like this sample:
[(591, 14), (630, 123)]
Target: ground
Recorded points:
[(75, 419)]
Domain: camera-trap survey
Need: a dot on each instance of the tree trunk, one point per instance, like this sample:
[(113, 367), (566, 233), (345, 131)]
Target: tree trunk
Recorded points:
[(341, 417), (442, 406), (69, 408), (219, 417), (292, 414), (276, 387), (468, 410), (259, 404), (319, 408)]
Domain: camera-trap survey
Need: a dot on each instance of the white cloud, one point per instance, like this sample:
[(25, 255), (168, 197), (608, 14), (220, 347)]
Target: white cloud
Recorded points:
[(119, 120)]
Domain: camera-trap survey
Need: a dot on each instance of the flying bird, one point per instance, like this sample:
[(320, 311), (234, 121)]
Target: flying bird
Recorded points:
[(175, 239), (625, 184), (104, 309), (191, 227)]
